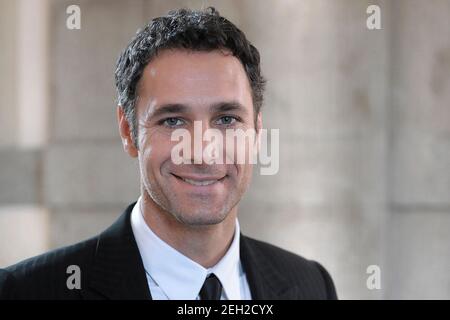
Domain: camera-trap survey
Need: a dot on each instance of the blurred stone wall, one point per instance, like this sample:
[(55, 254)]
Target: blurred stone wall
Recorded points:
[(364, 119)]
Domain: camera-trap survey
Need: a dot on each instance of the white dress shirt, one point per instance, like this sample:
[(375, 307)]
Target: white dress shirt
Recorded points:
[(173, 276)]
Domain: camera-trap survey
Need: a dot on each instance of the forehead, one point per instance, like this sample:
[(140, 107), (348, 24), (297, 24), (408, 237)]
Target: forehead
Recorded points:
[(195, 78)]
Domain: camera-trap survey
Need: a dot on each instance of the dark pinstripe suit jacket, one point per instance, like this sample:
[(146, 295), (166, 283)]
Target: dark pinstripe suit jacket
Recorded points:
[(111, 268)]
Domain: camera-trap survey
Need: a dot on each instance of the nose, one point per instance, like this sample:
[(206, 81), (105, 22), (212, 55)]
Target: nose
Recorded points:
[(200, 144)]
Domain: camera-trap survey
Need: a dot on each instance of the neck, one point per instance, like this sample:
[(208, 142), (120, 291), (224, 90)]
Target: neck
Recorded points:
[(204, 244)]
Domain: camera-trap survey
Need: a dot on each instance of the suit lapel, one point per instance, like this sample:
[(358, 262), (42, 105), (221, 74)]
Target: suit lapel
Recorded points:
[(265, 282), (118, 271)]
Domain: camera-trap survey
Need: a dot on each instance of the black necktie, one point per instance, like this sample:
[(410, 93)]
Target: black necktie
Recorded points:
[(212, 288)]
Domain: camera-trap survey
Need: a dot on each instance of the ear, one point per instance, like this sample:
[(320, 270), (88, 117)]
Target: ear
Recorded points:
[(258, 130), (259, 122), (125, 133)]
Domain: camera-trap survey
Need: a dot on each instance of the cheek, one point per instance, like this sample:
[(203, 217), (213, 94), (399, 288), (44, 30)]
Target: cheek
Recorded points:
[(155, 152), (241, 152), (240, 174), (245, 171)]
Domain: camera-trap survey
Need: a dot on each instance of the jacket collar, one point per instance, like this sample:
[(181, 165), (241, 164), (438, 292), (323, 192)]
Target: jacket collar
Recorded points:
[(118, 272), (265, 281)]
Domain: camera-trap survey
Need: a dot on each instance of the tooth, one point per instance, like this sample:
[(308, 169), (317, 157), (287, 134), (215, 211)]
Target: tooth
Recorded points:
[(199, 183)]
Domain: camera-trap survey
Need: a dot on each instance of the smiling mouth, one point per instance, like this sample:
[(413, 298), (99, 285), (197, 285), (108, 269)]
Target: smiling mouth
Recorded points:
[(200, 182)]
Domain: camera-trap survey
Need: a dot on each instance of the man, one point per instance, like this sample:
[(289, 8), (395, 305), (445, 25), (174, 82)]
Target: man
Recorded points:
[(181, 239)]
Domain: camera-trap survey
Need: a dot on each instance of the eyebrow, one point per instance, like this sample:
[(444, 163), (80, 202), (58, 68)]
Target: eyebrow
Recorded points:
[(170, 108), (228, 106), (173, 108)]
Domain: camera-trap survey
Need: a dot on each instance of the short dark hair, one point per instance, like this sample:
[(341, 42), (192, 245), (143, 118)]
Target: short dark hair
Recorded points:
[(198, 30)]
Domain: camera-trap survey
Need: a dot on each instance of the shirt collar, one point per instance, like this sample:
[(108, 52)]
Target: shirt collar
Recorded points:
[(179, 277)]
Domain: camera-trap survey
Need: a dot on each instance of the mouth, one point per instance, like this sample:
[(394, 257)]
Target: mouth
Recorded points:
[(200, 181)]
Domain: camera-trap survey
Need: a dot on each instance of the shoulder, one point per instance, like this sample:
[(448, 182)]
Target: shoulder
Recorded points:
[(45, 276), (294, 268)]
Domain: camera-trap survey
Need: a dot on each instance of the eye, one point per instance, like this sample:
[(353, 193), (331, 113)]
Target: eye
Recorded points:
[(226, 120), (172, 122)]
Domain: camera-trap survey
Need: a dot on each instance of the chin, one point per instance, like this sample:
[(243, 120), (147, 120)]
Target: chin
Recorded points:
[(200, 216)]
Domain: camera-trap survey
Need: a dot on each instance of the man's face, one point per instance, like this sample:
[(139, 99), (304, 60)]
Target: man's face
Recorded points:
[(179, 88)]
